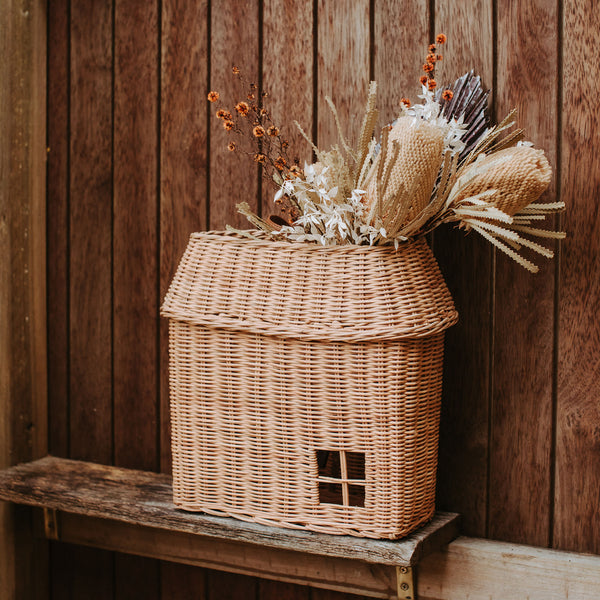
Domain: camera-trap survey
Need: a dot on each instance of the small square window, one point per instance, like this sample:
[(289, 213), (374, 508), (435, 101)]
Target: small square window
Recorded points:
[(356, 495), (330, 493), (329, 464), (341, 477), (355, 462)]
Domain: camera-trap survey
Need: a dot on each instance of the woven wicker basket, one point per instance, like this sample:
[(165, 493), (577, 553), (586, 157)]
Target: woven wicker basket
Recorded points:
[(306, 381)]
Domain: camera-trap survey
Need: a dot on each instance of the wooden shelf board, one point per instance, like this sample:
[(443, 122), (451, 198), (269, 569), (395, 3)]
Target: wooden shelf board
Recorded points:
[(144, 499)]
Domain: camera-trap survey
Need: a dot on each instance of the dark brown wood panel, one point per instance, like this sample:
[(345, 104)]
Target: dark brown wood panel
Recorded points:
[(135, 263), (89, 574), (58, 228), (234, 43), (136, 578), (342, 68), (180, 582), (90, 227), (183, 158), (272, 590), (135, 266), (521, 418), (287, 66), (90, 256), (399, 47), (229, 586), (467, 264), (577, 491)]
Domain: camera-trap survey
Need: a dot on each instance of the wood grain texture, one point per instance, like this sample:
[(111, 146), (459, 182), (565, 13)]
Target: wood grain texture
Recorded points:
[(234, 42), (577, 493), (135, 264), (90, 251), (279, 570), (342, 67), (57, 217), (181, 582), (466, 262), (521, 434), (399, 47), (23, 381), (287, 67), (271, 590), (183, 158), (90, 192), (228, 586), (136, 578), (484, 570), (89, 573), (145, 498)]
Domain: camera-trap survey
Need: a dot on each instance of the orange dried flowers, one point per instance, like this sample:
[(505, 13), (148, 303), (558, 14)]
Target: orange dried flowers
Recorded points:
[(231, 146), (447, 94), (273, 131), (242, 108), (228, 125), (405, 101), (430, 61), (213, 96), (258, 131)]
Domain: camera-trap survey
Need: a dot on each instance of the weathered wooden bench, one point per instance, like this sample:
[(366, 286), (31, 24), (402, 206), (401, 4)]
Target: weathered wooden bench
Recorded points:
[(132, 511)]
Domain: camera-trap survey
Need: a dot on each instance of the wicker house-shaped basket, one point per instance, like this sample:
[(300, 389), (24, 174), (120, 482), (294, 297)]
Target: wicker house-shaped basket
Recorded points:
[(305, 383)]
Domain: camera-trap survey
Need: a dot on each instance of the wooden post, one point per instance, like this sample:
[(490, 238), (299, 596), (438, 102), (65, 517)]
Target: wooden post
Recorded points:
[(23, 407)]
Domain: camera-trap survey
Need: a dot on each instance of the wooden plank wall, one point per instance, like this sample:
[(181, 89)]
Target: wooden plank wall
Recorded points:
[(137, 162)]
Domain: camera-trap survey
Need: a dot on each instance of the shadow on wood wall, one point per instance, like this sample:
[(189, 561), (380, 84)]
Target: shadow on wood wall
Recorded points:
[(137, 162)]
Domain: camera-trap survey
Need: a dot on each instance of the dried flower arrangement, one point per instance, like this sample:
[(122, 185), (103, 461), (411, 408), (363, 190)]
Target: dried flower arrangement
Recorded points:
[(440, 161)]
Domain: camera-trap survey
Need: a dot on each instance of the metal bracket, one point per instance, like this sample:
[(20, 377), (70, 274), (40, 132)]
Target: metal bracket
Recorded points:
[(51, 524), (406, 583)]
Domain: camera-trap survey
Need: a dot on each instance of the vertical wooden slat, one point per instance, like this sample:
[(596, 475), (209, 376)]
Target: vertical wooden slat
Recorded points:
[(577, 494), (466, 263), (276, 590), (57, 227), (343, 68), (399, 47), (135, 265), (229, 586), (91, 231), (183, 156), (183, 179), (23, 366), (181, 582), (288, 77), (234, 42), (135, 262), (90, 277), (520, 445), (57, 217)]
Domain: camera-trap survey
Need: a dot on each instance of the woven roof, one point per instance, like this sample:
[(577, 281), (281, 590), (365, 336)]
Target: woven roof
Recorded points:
[(303, 291)]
